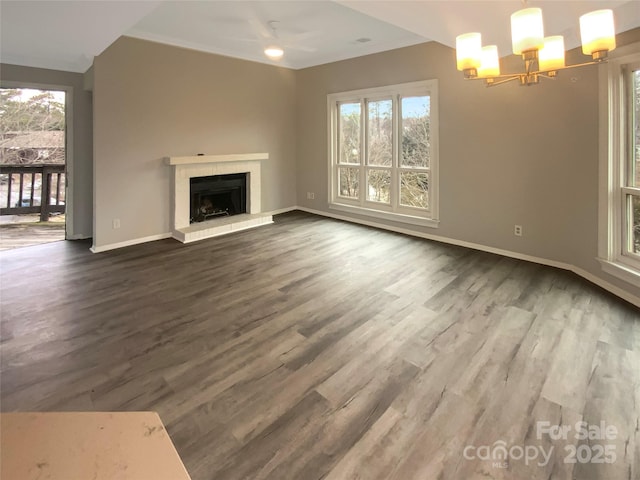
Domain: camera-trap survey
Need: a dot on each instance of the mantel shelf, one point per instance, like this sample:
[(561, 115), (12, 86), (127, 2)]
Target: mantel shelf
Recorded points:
[(234, 157)]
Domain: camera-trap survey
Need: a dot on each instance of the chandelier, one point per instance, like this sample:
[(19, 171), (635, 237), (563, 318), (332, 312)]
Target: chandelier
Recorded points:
[(543, 56)]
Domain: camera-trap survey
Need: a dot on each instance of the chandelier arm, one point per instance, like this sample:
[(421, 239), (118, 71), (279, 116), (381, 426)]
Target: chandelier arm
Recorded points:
[(577, 65), (504, 79), (491, 81), (503, 76), (552, 73), (513, 76), (529, 74)]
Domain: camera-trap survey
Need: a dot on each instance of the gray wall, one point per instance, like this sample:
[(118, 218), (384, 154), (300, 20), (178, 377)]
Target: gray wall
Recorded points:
[(154, 101), (82, 162), (508, 155)]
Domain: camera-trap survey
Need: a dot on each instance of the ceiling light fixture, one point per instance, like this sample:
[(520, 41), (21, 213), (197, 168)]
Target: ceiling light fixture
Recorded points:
[(274, 52), (543, 57)]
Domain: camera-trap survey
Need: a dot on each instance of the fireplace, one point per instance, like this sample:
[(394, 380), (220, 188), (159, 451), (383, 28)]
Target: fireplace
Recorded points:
[(217, 196), (221, 201)]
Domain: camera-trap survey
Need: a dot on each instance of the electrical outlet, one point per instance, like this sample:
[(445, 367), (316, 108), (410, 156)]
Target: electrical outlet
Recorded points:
[(517, 230), (311, 195), (116, 223)]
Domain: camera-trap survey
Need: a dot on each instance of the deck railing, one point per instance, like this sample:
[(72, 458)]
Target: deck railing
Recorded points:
[(36, 188)]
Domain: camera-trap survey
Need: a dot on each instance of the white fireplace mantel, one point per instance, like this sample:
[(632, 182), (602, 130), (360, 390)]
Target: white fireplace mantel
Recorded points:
[(233, 157), (185, 168)]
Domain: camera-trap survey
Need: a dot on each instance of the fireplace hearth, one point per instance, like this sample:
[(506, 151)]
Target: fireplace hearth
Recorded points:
[(217, 196)]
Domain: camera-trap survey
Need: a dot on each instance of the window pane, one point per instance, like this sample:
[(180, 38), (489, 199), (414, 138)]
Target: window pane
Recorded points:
[(349, 133), (379, 133), (634, 176), (349, 180), (378, 184), (416, 139), (634, 223), (414, 189)]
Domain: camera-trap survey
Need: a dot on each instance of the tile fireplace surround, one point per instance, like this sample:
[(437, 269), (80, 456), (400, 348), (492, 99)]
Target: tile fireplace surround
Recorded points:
[(185, 168)]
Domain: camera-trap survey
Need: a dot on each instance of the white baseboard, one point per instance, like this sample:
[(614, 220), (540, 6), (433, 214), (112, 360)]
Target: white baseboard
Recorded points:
[(128, 243), (475, 246), (282, 210), (606, 285), (136, 241), (78, 236)]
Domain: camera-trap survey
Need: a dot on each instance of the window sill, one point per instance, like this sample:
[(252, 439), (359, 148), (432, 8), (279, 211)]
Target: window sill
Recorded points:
[(395, 217), (621, 271)]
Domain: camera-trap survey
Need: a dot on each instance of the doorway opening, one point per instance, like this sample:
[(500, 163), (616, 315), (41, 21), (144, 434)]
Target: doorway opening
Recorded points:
[(33, 177)]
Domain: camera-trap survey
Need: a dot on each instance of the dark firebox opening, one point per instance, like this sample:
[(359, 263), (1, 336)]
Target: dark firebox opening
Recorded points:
[(218, 196)]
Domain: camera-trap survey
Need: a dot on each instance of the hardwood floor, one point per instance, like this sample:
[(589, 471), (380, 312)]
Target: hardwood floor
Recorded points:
[(314, 348)]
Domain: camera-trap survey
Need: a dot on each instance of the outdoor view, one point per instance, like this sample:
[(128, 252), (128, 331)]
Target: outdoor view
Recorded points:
[(634, 175), (413, 157), (416, 145), (380, 150), (349, 149), (32, 166)]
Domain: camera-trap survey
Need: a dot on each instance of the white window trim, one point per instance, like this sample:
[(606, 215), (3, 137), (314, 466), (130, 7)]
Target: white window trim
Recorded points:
[(611, 222), (429, 218)]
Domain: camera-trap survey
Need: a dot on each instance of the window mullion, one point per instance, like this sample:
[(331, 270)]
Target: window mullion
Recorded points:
[(364, 149), (335, 149), (397, 145), (628, 125)]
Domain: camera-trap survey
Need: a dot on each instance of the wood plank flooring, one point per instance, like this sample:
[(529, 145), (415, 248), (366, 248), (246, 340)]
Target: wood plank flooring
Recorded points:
[(317, 349)]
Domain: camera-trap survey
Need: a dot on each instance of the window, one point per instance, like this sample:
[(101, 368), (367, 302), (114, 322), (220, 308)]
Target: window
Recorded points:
[(619, 245), (631, 184), (383, 152)]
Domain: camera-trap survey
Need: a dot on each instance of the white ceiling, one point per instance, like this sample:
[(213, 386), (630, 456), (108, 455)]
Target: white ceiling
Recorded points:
[(313, 32), (66, 35)]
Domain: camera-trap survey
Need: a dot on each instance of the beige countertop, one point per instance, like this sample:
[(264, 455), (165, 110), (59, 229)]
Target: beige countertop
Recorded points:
[(87, 446)]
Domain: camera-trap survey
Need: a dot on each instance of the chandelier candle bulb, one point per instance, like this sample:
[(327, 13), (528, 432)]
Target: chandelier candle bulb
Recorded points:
[(527, 31), (551, 55), (468, 51), (490, 62), (597, 33)]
